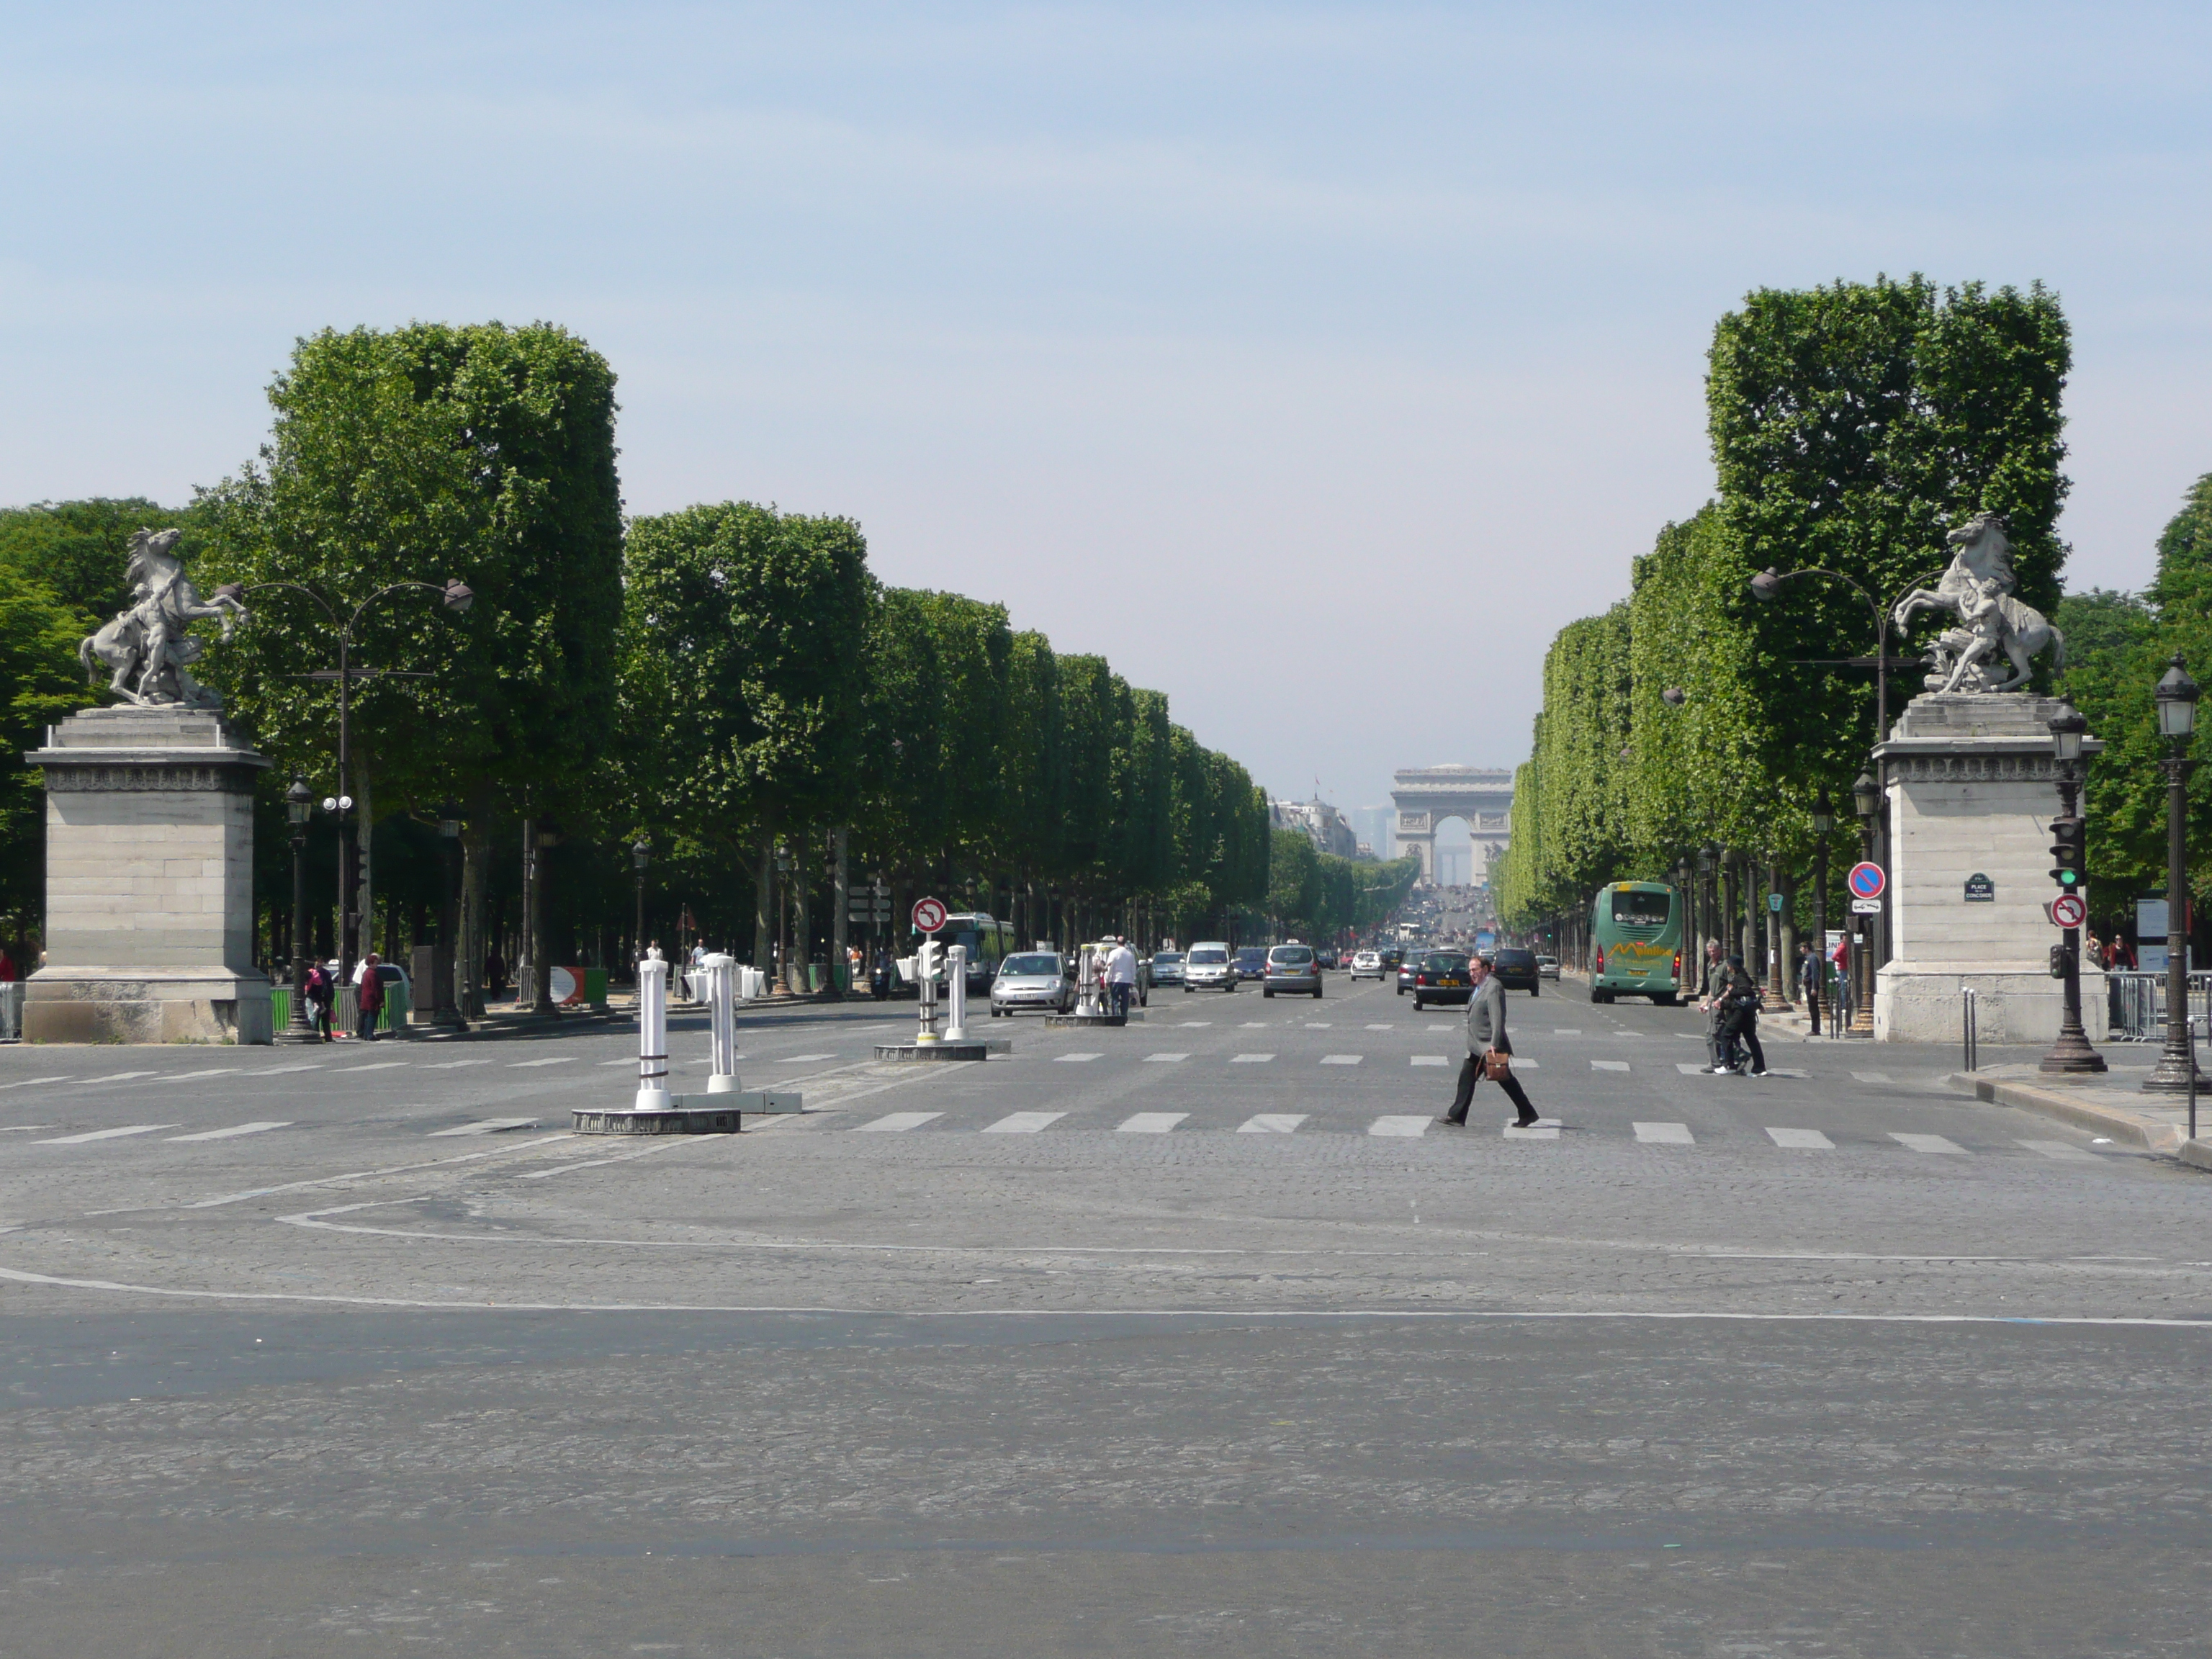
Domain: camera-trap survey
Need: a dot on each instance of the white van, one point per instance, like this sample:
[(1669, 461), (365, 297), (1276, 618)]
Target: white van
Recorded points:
[(1208, 966)]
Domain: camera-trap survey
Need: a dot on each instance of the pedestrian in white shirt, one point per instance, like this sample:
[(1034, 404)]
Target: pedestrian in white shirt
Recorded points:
[(1120, 977)]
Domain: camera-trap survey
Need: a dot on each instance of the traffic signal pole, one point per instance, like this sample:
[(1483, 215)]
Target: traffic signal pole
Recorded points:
[(2071, 1054)]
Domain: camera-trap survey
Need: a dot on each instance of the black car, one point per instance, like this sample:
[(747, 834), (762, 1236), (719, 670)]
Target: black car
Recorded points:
[(1441, 976), (1516, 968)]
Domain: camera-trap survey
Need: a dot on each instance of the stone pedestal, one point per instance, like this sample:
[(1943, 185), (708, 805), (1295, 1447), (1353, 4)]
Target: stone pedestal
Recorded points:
[(149, 882), (1973, 789)]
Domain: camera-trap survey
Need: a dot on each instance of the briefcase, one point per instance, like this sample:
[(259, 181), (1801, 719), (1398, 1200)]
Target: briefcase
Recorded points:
[(1497, 1065)]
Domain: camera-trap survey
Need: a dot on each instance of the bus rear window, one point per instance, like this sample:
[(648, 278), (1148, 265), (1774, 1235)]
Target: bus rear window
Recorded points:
[(1642, 909)]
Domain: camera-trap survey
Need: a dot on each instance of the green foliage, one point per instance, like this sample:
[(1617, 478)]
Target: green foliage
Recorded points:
[(1316, 895), (78, 550), (41, 681)]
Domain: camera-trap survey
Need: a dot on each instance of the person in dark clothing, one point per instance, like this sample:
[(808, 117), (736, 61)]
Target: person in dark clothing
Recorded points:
[(1740, 1021), (370, 1001), (321, 990), (1485, 1035)]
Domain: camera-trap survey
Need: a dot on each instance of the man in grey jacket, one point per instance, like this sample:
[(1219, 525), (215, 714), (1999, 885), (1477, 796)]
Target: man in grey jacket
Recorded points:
[(1485, 1032)]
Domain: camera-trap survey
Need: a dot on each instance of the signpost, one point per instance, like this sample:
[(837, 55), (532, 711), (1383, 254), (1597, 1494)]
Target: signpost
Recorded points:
[(928, 915), (2069, 910), (1866, 881)]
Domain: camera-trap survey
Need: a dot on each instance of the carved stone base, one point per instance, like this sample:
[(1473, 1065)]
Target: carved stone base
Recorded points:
[(114, 1005)]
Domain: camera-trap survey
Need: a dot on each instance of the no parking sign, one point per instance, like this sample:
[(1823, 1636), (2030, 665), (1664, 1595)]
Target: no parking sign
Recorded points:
[(1866, 881)]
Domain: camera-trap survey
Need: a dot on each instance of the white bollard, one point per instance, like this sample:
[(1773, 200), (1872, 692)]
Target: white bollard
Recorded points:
[(925, 985), (956, 990), (1087, 982), (722, 1023), (653, 1034)]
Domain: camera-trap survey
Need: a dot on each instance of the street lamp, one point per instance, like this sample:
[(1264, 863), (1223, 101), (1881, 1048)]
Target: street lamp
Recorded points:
[(641, 854), (446, 977), (546, 836), (2176, 696), (298, 804), (2071, 1054), (1823, 820), (1866, 798)]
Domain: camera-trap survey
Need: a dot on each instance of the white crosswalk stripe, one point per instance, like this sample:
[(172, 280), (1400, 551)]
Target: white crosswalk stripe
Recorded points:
[(235, 1129), (1074, 1059), (455, 1065), (1665, 1134), (1150, 1123), (1801, 1141), (1873, 1077), (894, 1121), (1927, 1143), (1023, 1123), (2065, 1149), (1688, 1070), (1271, 1123), (1427, 1060), (798, 1060), (32, 1082), (1166, 1059), (1411, 1127), (1341, 1059), (1608, 1066), (1542, 1129), (1249, 1060), (377, 1066), (1382, 1028), (103, 1135), (489, 1125), (119, 1077), (552, 1059), (1196, 1024)]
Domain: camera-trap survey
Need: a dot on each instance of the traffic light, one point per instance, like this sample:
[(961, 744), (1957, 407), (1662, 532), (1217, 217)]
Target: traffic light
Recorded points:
[(2068, 852)]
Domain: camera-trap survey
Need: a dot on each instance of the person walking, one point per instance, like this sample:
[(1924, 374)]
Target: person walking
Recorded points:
[(1485, 1036), (1809, 981), (1712, 987), (370, 1004), (322, 989), (1740, 1021), (1120, 978)]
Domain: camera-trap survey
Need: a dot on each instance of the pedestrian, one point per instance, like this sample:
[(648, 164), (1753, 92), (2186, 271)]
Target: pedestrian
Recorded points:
[(494, 972), (1809, 981), (370, 1002), (1840, 960), (7, 967), (1711, 986), (1488, 1052), (1120, 978), (1740, 1022), (322, 990)]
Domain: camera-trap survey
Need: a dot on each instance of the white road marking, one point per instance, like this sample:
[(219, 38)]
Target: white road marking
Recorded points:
[(1271, 1123), (1341, 1059), (1150, 1123), (219, 1071), (1318, 1025), (104, 1134), (234, 1129), (1566, 1030), (1786, 1071), (1249, 1060), (1665, 1134), (1608, 1066), (452, 1065), (1429, 1060), (33, 1082), (379, 1066), (489, 1125), (1410, 1126), (1382, 1028), (279, 1070), (1928, 1143), (1254, 1025), (1688, 1070), (627, 1060), (118, 1077), (1873, 1077), (1803, 1140), (1074, 1059), (554, 1059), (1166, 1059), (893, 1121), (1521, 1063), (1538, 1130), (1196, 1024), (1023, 1123), (799, 1060), (2063, 1149)]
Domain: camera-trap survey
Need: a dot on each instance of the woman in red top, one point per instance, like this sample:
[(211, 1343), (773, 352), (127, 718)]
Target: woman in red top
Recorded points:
[(372, 1000)]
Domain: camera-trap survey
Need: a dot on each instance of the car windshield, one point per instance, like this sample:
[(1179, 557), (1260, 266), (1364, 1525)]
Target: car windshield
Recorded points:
[(1291, 956), (1444, 962), (1035, 966), (1166, 958), (1252, 954), (1208, 958), (1515, 959)]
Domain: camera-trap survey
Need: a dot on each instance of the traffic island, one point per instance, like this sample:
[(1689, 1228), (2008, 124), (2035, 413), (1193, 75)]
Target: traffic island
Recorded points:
[(689, 1115), (1080, 1020), (943, 1049)]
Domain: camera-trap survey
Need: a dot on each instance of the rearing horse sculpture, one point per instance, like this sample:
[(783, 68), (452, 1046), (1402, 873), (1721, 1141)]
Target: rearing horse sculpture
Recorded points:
[(1977, 589), (148, 642)]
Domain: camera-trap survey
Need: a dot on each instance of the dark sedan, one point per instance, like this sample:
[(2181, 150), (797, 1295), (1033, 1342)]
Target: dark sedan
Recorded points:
[(1516, 970), (1441, 976)]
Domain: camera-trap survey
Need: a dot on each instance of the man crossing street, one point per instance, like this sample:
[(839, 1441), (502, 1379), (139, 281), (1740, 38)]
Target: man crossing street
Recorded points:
[(1712, 1000), (1485, 1036)]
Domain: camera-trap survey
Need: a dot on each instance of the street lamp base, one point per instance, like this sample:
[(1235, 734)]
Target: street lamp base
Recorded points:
[(2072, 1056), (292, 1035), (2170, 1076)]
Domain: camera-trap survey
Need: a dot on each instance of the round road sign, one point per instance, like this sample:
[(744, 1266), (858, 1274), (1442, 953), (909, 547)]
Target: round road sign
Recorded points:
[(1866, 881), (2068, 910), (928, 915)]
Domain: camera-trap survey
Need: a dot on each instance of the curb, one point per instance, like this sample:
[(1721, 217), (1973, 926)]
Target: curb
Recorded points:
[(2121, 1125)]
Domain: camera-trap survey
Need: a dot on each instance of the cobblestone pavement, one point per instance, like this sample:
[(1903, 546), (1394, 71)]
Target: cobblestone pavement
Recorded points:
[(1193, 1337)]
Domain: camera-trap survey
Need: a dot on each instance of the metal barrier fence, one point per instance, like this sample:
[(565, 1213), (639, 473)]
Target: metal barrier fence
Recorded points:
[(2138, 1003)]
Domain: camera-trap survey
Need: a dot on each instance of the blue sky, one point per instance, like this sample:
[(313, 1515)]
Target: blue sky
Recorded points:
[(1313, 363)]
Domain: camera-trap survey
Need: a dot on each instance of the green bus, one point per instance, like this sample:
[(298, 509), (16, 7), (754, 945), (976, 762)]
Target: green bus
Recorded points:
[(1636, 940)]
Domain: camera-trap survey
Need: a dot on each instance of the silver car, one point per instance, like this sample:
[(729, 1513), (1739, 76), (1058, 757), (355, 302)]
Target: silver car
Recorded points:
[(1032, 979), (1291, 968), (1206, 967)]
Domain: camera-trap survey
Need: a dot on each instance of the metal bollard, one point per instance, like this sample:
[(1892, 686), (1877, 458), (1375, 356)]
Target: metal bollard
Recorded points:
[(956, 992), (1087, 982), (1973, 1050), (722, 1023), (653, 1034)]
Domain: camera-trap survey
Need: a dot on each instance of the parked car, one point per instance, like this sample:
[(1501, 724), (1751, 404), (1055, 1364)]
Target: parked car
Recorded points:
[(1291, 968), (1032, 979), (1441, 976), (1516, 968), (1207, 966), (1167, 967), (1252, 962), (1367, 964), (1547, 967)]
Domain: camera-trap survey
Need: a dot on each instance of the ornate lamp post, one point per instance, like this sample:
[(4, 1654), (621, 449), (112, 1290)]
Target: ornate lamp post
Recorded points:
[(546, 836), (298, 803), (1708, 901), (641, 854), (1866, 797), (445, 980), (1823, 820), (2177, 694), (2071, 1054)]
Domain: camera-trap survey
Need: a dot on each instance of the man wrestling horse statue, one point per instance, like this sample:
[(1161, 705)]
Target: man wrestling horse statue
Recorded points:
[(147, 645), (1977, 589)]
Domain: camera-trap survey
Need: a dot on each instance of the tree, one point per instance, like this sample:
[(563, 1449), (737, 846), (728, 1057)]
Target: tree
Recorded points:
[(79, 551), (41, 681)]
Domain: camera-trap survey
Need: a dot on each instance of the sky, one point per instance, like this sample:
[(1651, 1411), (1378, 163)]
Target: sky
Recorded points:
[(1314, 363)]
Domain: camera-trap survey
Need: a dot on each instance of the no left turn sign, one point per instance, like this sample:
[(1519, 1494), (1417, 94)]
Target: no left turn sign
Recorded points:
[(2068, 910), (928, 915)]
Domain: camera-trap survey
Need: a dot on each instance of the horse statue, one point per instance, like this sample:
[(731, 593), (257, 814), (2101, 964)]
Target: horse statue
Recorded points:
[(149, 643), (1977, 588)]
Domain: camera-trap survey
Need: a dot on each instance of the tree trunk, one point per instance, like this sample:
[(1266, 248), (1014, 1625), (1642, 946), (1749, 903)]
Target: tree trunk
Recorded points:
[(468, 968), (841, 906)]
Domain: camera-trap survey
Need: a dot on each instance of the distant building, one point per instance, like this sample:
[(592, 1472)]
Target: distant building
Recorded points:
[(1322, 823)]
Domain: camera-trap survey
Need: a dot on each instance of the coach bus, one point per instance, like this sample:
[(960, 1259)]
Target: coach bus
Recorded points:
[(987, 942), (1636, 940)]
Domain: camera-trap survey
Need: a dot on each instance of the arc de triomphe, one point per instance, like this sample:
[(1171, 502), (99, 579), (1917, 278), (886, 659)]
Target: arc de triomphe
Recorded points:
[(1424, 796)]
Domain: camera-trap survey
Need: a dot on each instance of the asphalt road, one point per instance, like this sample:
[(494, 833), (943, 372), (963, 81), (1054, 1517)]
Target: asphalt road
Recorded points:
[(1192, 1338)]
